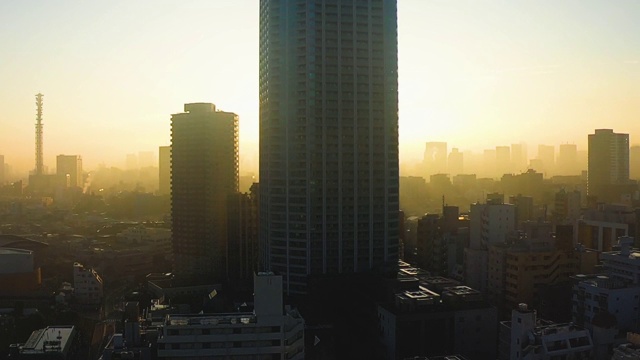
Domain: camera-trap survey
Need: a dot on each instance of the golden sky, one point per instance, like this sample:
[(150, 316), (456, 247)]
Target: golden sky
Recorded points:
[(474, 73)]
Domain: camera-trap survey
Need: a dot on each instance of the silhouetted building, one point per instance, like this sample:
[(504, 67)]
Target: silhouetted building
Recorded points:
[(88, 287), (519, 157), (52, 342), (243, 249), (204, 172), (2, 171), (19, 274), (69, 170), (164, 170), (608, 165), (634, 162), (503, 160), (567, 207), (328, 138)]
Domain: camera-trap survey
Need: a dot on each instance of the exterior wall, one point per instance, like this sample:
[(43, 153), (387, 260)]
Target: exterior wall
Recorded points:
[(476, 269), (70, 165), (204, 173), (328, 138), (164, 170), (87, 285), (14, 261), (599, 235), (590, 299)]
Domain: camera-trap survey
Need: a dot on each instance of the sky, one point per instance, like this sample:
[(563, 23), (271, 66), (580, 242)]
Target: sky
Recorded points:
[(473, 73)]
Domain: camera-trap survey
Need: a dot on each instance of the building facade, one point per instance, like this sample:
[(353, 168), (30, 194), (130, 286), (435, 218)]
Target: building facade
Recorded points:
[(269, 332), (328, 137), (608, 164), (204, 173), (69, 170), (88, 287), (164, 170)]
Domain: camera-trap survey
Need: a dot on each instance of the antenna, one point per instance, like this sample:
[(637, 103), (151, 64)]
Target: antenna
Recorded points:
[(39, 149)]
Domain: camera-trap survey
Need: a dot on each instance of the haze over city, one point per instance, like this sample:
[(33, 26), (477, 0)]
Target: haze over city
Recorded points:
[(473, 73)]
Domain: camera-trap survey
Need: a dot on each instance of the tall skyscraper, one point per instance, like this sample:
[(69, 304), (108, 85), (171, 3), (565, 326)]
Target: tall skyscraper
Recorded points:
[(547, 155), (204, 173), (164, 170), (435, 158), (568, 160), (328, 137), (69, 170), (503, 160), (608, 164), (455, 163)]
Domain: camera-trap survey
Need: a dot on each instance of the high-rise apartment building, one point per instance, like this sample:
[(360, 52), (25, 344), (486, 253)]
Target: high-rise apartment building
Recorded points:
[(204, 173), (69, 170), (608, 164), (328, 137), (164, 170)]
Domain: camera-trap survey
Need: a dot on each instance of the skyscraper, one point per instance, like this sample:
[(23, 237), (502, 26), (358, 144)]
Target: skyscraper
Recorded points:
[(608, 164), (568, 160), (435, 158), (164, 170), (204, 173), (69, 170), (328, 137)]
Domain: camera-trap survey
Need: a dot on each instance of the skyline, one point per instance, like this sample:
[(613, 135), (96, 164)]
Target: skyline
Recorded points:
[(133, 65)]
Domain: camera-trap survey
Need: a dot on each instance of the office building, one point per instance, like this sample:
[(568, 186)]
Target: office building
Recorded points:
[(243, 247), (527, 337), (519, 157), (435, 158), (69, 171), (271, 331), (328, 138), (608, 165), (164, 170), (503, 160), (567, 206), (204, 173)]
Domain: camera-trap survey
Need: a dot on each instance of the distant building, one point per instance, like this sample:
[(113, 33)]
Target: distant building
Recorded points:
[(608, 165), (146, 159), (131, 162), (568, 160), (455, 164), (567, 206), (519, 157), (634, 162), (271, 331), (204, 173), (164, 170), (547, 155), (423, 322), (526, 337), (599, 228), (69, 171), (243, 245), (52, 342), (435, 158), (435, 234), (503, 160), (88, 287), (2, 171)]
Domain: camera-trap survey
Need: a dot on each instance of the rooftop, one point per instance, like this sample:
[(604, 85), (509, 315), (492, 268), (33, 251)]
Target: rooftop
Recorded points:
[(52, 339), (210, 319), (12, 251)]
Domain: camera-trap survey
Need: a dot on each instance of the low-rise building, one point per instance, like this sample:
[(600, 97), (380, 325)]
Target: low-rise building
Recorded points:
[(526, 337), (18, 273), (87, 284), (422, 322), (271, 331), (53, 342)]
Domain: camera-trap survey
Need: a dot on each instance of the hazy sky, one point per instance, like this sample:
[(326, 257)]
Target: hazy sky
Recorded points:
[(473, 73)]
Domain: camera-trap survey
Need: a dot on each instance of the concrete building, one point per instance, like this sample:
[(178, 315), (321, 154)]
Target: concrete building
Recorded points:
[(519, 157), (243, 246), (634, 162), (423, 322), (503, 160), (608, 165), (69, 171), (600, 228), (567, 206), (204, 173), (19, 274), (271, 331), (52, 342), (164, 170), (3, 175), (526, 337), (615, 291), (88, 287), (328, 138)]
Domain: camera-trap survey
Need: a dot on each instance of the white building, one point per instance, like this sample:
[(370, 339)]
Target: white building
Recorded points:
[(527, 338), (87, 284), (269, 332), (616, 291)]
